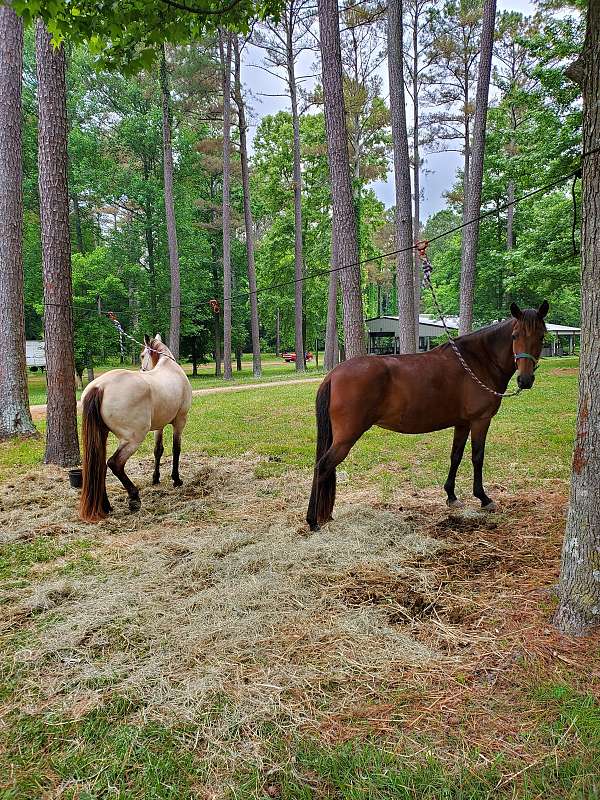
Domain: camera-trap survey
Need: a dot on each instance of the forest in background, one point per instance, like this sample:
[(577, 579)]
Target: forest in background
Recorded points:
[(120, 255)]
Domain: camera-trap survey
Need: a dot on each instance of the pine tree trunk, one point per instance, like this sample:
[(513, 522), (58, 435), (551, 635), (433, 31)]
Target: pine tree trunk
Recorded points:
[(249, 223), (405, 280), (470, 237), (579, 587), (77, 220), (416, 173), (149, 236), (330, 357), (225, 51), (298, 247), (15, 418), (175, 329), (278, 334), (62, 445), (344, 235), (510, 216)]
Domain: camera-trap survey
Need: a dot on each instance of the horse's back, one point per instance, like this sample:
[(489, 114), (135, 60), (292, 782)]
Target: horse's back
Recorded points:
[(126, 402), (413, 393)]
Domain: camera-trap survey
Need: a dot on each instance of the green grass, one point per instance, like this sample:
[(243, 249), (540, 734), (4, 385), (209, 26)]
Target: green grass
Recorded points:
[(274, 369), (530, 439), (112, 752)]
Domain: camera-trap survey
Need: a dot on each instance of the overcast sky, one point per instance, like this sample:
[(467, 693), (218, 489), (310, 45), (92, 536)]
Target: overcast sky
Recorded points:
[(440, 168)]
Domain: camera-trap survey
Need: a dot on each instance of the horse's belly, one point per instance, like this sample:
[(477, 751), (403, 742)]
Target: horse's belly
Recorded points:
[(407, 424)]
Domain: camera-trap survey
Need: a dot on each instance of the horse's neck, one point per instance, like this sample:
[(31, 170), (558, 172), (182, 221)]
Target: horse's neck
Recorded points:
[(167, 367), (493, 348)]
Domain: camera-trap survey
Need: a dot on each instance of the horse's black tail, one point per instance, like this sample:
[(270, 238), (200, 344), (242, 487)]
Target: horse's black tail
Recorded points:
[(94, 434), (322, 496)]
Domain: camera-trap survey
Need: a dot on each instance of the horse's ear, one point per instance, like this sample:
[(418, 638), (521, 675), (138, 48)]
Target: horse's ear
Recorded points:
[(147, 339), (515, 311), (157, 338), (543, 309)]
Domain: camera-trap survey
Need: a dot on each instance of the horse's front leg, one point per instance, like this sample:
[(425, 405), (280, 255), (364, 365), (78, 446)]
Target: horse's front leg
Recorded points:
[(158, 451), (178, 426), (461, 434), (479, 431)]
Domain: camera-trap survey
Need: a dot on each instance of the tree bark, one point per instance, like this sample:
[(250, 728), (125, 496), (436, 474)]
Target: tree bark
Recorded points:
[(225, 52), (474, 176), (77, 220), (298, 246), (344, 234), (15, 417), (330, 357), (405, 281), (248, 221), (510, 216), (277, 334), (416, 171), (579, 586), (175, 328), (62, 445)]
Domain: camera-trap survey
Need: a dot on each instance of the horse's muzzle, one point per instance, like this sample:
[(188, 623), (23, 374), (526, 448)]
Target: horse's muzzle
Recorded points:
[(525, 381)]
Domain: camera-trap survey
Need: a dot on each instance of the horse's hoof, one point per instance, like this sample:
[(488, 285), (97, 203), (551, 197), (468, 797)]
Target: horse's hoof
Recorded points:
[(135, 504), (177, 483), (315, 527), (155, 481), (491, 506), (455, 503)]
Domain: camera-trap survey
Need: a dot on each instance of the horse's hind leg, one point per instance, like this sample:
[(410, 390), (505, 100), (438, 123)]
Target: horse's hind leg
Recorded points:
[(326, 480), (158, 451), (479, 431), (178, 426), (117, 463), (461, 434)]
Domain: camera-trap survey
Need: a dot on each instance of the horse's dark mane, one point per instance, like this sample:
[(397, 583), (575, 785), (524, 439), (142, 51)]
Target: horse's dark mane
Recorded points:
[(485, 331), (530, 319)]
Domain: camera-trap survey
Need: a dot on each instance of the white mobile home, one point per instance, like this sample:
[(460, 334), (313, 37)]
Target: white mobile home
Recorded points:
[(35, 354)]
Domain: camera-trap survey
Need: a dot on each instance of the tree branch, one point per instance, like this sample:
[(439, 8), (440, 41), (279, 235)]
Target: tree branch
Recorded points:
[(202, 11)]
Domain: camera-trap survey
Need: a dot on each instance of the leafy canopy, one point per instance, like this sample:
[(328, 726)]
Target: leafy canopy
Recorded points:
[(127, 34)]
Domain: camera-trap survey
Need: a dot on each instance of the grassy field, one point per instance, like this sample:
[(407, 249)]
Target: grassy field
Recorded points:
[(209, 648), (273, 368)]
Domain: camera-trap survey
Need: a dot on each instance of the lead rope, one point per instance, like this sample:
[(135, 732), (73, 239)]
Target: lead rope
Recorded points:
[(123, 333), (427, 270)]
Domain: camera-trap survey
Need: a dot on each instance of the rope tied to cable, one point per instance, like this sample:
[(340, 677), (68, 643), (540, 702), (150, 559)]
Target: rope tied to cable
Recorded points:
[(427, 268)]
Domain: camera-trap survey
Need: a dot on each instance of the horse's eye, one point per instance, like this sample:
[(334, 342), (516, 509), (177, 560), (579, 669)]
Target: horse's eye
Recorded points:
[(514, 336)]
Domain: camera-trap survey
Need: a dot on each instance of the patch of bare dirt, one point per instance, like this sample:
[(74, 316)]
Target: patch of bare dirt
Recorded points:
[(562, 372)]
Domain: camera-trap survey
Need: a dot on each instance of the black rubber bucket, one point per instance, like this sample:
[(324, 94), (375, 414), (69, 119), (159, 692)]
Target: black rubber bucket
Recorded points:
[(76, 478)]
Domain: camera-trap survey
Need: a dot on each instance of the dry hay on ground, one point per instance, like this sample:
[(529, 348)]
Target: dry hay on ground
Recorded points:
[(211, 591), (214, 605)]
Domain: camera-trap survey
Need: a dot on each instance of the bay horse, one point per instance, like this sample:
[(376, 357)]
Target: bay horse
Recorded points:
[(130, 404), (422, 393)]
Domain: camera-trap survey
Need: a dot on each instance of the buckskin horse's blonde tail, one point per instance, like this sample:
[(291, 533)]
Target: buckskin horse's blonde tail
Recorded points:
[(322, 496), (94, 434)]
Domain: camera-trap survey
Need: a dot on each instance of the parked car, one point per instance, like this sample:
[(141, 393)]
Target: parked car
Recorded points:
[(290, 358)]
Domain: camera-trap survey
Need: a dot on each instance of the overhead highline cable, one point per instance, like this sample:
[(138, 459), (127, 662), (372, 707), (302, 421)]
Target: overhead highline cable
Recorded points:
[(319, 273)]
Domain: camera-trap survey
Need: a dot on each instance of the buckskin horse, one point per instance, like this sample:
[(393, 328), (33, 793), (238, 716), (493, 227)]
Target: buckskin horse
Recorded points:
[(130, 404), (423, 393)]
